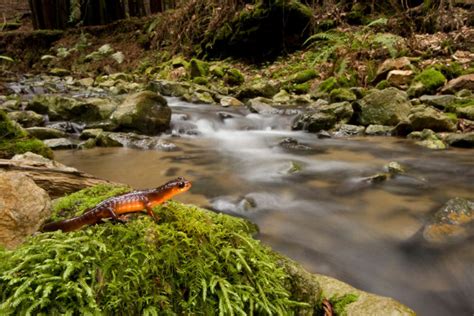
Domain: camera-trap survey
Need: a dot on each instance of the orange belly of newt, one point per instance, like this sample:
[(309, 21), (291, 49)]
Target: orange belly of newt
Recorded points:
[(130, 207)]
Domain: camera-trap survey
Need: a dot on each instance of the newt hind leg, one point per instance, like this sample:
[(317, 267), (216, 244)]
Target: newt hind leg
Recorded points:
[(150, 212)]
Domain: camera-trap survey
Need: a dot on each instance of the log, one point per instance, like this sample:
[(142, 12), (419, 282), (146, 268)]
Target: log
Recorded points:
[(57, 179)]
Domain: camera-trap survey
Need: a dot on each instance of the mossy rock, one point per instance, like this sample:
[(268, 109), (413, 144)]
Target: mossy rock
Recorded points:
[(192, 262), (303, 76), (300, 88), (15, 140), (384, 84), (233, 77), (342, 94), (201, 80), (198, 68), (427, 82)]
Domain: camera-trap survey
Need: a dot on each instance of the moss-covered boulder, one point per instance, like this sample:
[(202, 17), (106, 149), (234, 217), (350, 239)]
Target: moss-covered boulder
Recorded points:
[(169, 88), (303, 76), (26, 118), (422, 117), (384, 107), (233, 77), (427, 138), (426, 82), (192, 261), (15, 140), (258, 88), (198, 68), (145, 112), (324, 117)]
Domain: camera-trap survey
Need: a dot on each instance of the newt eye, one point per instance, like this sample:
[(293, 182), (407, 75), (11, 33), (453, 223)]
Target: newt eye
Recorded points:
[(181, 185)]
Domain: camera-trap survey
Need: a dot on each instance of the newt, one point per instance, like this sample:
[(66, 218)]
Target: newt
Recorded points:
[(117, 206)]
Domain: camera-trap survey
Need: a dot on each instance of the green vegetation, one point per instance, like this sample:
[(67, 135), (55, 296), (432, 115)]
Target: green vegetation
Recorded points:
[(14, 140), (430, 80), (339, 303), (193, 262)]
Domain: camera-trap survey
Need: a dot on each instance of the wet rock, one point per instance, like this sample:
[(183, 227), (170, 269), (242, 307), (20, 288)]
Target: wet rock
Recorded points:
[(293, 145), (262, 106), (169, 88), (67, 127), (145, 112), (427, 138), (203, 97), (459, 83), (383, 107), (402, 63), (90, 133), (394, 168), (225, 115), (439, 101), (377, 178), (45, 132), (400, 78), (24, 207), (324, 117), (290, 168), (282, 97), (451, 223), (59, 72), (87, 144), (132, 140), (378, 130), (425, 117), (427, 82), (349, 130), (60, 143), (106, 125), (265, 89), (230, 101), (465, 140)]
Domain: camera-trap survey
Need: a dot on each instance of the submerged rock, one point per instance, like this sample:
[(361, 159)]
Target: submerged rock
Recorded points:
[(451, 223), (145, 112), (24, 206)]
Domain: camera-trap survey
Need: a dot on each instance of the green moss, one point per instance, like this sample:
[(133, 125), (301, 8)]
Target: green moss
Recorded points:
[(431, 79), (450, 70), (300, 88), (179, 62), (234, 77), (192, 262), (201, 80), (342, 94), (339, 303), (328, 85), (382, 85), (198, 68), (217, 71), (15, 140), (303, 76)]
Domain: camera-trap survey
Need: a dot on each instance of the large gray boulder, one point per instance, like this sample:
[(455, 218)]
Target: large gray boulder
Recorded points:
[(24, 206), (145, 112), (324, 117), (383, 107), (426, 117), (71, 109)]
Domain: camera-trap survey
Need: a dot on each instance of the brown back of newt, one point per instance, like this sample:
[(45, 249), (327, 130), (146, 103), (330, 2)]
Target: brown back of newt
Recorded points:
[(116, 206)]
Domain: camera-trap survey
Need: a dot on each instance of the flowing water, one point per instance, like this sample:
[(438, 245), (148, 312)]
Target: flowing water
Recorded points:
[(312, 201)]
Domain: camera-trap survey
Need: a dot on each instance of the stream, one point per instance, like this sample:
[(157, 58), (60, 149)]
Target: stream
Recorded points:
[(310, 197)]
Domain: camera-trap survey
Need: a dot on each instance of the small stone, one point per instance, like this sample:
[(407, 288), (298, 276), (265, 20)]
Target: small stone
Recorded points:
[(90, 133), (349, 130), (400, 78), (378, 130), (230, 101), (394, 168), (60, 143), (86, 82), (59, 72)]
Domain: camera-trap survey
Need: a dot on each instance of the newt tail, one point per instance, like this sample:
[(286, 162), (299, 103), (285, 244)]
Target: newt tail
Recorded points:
[(117, 206)]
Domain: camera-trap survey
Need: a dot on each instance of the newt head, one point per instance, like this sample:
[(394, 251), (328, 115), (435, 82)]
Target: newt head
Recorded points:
[(176, 186)]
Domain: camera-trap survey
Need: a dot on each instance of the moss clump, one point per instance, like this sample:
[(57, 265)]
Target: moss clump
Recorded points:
[(342, 94), (233, 77), (201, 80), (192, 262), (339, 303), (384, 84), (304, 76), (217, 71), (449, 70), (198, 68), (300, 88), (14, 140), (328, 85), (426, 82)]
